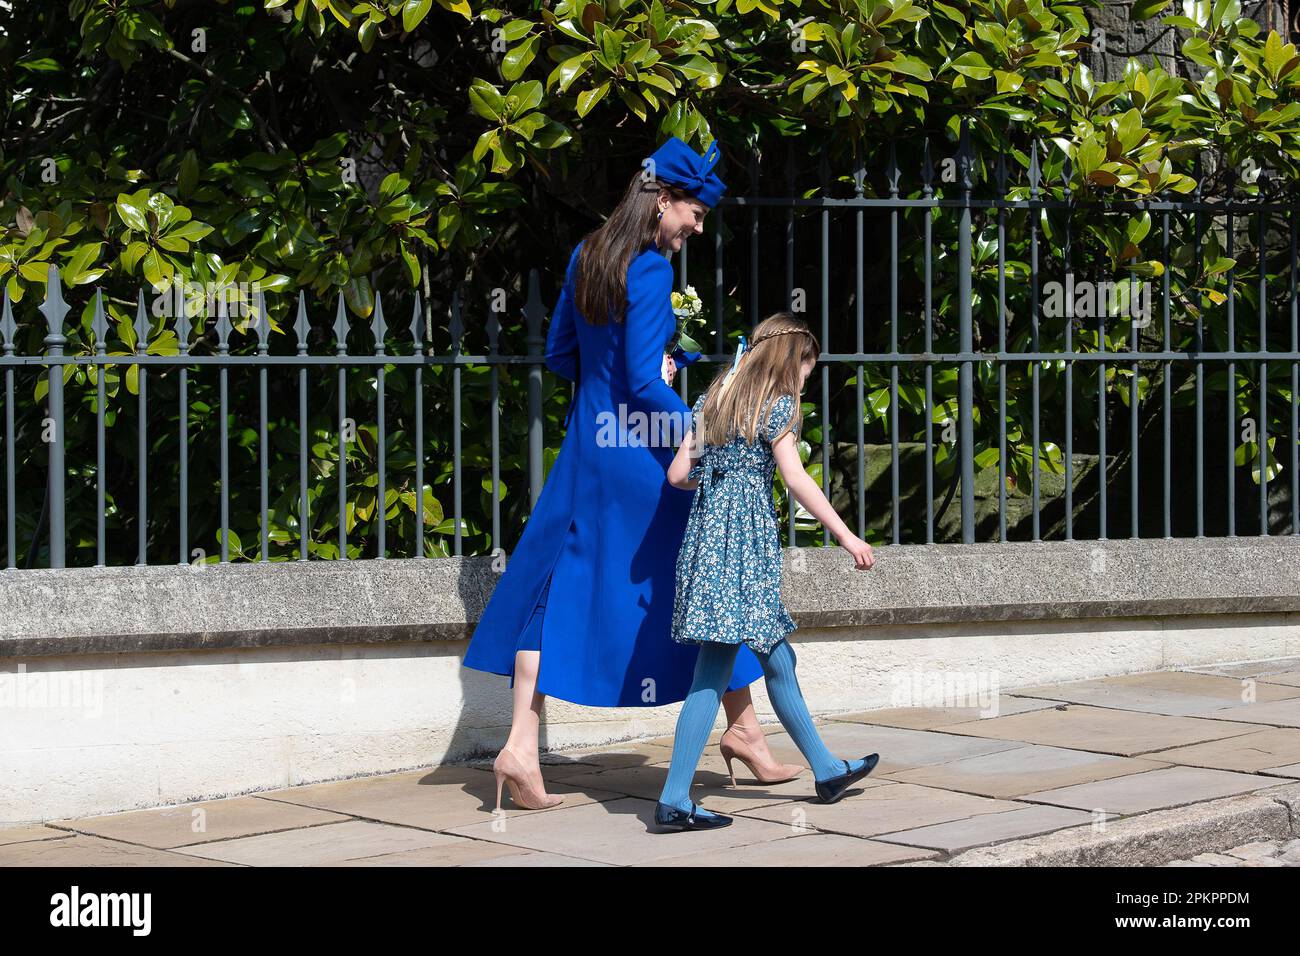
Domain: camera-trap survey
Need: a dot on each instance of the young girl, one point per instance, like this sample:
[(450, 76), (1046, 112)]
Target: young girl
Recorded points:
[(729, 565)]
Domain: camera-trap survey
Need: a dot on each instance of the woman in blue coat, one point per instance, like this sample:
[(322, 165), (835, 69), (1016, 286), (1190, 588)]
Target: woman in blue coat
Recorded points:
[(583, 609)]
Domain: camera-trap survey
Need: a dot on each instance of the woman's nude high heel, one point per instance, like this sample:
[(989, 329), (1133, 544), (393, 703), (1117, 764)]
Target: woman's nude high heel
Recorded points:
[(734, 747), (508, 770)]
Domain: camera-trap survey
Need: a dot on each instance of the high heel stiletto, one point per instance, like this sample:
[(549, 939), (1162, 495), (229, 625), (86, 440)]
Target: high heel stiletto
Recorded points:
[(733, 747), (508, 770), (829, 791), (670, 818)]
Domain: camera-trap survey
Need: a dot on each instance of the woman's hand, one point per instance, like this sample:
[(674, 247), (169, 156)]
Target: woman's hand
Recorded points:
[(668, 370)]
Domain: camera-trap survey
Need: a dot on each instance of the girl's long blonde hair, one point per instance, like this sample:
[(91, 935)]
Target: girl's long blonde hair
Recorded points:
[(769, 368)]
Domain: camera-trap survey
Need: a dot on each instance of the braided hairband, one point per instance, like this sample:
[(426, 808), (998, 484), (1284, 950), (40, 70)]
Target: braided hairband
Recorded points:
[(740, 351), (770, 335)]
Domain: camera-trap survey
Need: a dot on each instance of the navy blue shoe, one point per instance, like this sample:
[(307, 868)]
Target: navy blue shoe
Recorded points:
[(673, 819), (829, 791)]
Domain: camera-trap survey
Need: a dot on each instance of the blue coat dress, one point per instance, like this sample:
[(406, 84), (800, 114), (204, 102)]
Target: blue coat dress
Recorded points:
[(607, 526)]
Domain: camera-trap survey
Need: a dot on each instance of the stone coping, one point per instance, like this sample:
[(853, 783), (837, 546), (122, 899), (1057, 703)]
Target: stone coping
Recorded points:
[(179, 607)]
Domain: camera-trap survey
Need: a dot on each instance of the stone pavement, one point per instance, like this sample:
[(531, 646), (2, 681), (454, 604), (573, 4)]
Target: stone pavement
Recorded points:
[(1262, 853), (1189, 767)]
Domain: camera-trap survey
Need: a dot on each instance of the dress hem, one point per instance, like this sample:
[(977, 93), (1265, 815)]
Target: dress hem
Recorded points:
[(758, 647)]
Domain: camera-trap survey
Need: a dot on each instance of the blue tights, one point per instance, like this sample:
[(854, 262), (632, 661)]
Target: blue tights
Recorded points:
[(712, 670)]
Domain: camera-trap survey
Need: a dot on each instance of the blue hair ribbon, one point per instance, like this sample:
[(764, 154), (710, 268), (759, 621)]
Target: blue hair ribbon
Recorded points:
[(740, 351)]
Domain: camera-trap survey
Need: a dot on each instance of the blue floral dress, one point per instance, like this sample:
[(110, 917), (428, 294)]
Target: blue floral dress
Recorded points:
[(729, 565)]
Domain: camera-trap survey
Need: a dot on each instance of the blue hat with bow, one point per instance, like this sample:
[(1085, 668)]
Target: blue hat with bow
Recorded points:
[(677, 164)]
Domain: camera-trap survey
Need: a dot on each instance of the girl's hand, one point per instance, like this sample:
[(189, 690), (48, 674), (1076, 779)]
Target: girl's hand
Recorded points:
[(805, 491), (863, 557), (668, 370)]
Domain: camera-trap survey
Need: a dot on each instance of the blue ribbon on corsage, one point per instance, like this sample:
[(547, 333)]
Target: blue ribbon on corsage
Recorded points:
[(683, 357)]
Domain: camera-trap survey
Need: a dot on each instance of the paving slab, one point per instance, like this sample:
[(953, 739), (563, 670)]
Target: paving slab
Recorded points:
[(85, 851), (883, 809), (1278, 713), (900, 748), (1176, 693), (167, 827), (26, 834), (1194, 683), (810, 849), (1156, 790), (1255, 850), (1021, 770), (445, 851), (1174, 762), (437, 799), (617, 832), (1249, 753), (711, 787), (1264, 687), (563, 766), (536, 859), (330, 844), (928, 718), (558, 765), (990, 828), (1288, 679), (1228, 687), (1102, 730), (1256, 669)]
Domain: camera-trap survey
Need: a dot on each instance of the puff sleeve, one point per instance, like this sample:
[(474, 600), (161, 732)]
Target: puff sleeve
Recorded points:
[(695, 411), (779, 415)]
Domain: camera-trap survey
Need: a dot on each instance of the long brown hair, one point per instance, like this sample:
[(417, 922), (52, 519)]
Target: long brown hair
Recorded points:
[(601, 279), (769, 368)]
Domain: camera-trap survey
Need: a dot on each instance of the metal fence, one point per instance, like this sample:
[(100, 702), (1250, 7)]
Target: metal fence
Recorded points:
[(377, 364), (742, 230), (1268, 212)]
